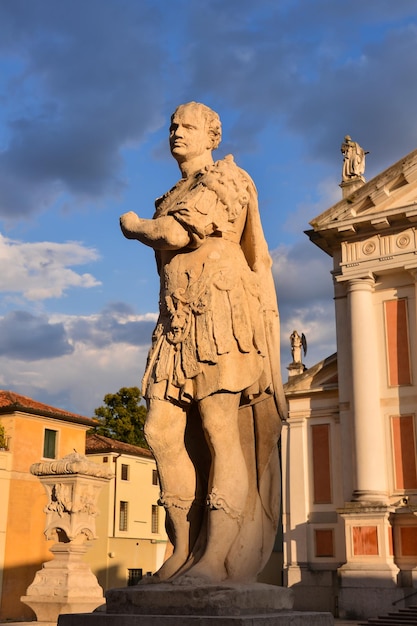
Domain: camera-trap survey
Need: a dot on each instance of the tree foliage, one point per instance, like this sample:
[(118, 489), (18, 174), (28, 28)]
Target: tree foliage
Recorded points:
[(122, 417)]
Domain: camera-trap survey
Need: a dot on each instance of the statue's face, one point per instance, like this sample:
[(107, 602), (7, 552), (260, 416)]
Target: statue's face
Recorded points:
[(188, 134)]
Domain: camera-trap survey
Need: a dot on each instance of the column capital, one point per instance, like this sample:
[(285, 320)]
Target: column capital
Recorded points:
[(364, 283), (357, 277)]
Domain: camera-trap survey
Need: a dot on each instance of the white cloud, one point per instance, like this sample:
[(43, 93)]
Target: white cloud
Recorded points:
[(41, 270), (72, 361), (79, 381)]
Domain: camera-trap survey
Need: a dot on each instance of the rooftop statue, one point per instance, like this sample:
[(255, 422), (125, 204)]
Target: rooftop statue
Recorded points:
[(353, 160), (298, 344), (212, 381)]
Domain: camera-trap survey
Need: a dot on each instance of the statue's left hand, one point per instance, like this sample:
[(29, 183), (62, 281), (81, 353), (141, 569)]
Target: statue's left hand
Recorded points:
[(129, 223)]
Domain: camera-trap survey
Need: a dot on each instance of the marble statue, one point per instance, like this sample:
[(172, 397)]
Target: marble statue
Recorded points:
[(353, 159), (212, 381), (298, 344)]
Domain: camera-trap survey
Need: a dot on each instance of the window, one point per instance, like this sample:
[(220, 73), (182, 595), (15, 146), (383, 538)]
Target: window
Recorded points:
[(154, 477), (125, 472), (105, 459), (49, 444), (155, 519), (123, 515)]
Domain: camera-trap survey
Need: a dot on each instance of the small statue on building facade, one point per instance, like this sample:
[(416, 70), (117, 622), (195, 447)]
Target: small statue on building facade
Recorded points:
[(298, 348), (353, 160), (298, 344)]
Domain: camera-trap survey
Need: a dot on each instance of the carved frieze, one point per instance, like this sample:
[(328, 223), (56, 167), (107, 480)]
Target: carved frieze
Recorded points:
[(379, 252)]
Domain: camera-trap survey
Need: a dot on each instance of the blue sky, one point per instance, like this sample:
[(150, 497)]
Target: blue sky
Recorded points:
[(86, 91)]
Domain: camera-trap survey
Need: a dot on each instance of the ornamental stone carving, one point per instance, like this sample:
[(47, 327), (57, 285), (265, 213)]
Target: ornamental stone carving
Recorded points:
[(72, 485), (388, 251), (66, 584)]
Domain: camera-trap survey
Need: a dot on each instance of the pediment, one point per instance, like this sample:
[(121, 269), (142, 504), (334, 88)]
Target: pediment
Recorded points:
[(388, 200), (320, 377)]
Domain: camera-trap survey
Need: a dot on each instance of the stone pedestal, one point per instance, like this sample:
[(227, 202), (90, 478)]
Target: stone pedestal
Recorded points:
[(199, 605), (369, 578), (348, 187), (66, 584), (193, 599), (283, 618), (295, 369)]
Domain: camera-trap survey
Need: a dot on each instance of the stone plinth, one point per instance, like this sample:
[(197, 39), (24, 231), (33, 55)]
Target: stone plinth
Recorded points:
[(66, 584), (199, 605), (215, 599), (348, 187), (281, 618), (295, 369)]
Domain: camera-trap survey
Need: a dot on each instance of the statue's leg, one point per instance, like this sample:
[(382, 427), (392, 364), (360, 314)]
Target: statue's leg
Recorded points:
[(228, 484), (164, 431)]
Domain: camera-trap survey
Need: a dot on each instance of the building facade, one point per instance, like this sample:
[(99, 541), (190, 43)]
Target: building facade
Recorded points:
[(350, 450), (33, 431), (131, 525)]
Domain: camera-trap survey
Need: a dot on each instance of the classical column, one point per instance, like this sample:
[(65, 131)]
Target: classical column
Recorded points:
[(369, 444)]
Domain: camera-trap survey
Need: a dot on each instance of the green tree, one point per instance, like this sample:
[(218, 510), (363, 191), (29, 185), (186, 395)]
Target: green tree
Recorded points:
[(122, 417)]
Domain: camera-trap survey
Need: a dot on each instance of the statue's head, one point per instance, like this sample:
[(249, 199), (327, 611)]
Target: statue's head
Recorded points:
[(207, 116)]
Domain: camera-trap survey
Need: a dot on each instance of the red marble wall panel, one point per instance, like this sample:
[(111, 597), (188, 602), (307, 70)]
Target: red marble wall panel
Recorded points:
[(398, 351), (403, 443), (320, 434), (324, 542), (365, 540)]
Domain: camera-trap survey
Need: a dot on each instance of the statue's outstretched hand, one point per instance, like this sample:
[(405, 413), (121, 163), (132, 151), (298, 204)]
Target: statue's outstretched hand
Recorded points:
[(129, 223)]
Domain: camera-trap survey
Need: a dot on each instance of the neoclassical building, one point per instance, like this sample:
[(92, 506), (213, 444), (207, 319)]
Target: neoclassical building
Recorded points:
[(349, 451)]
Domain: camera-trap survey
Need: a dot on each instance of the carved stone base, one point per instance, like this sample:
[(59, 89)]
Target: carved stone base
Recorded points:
[(295, 369), (199, 599), (64, 585), (169, 604), (282, 618), (349, 186)]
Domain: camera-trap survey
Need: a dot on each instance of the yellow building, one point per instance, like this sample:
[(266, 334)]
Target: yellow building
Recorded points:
[(131, 525), (33, 431)]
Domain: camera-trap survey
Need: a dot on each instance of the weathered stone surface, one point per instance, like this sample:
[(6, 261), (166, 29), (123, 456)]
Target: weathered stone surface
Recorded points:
[(282, 618), (223, 599)]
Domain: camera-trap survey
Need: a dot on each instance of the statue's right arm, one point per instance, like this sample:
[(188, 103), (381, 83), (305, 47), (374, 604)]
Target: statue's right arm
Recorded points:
[(162, 233)]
